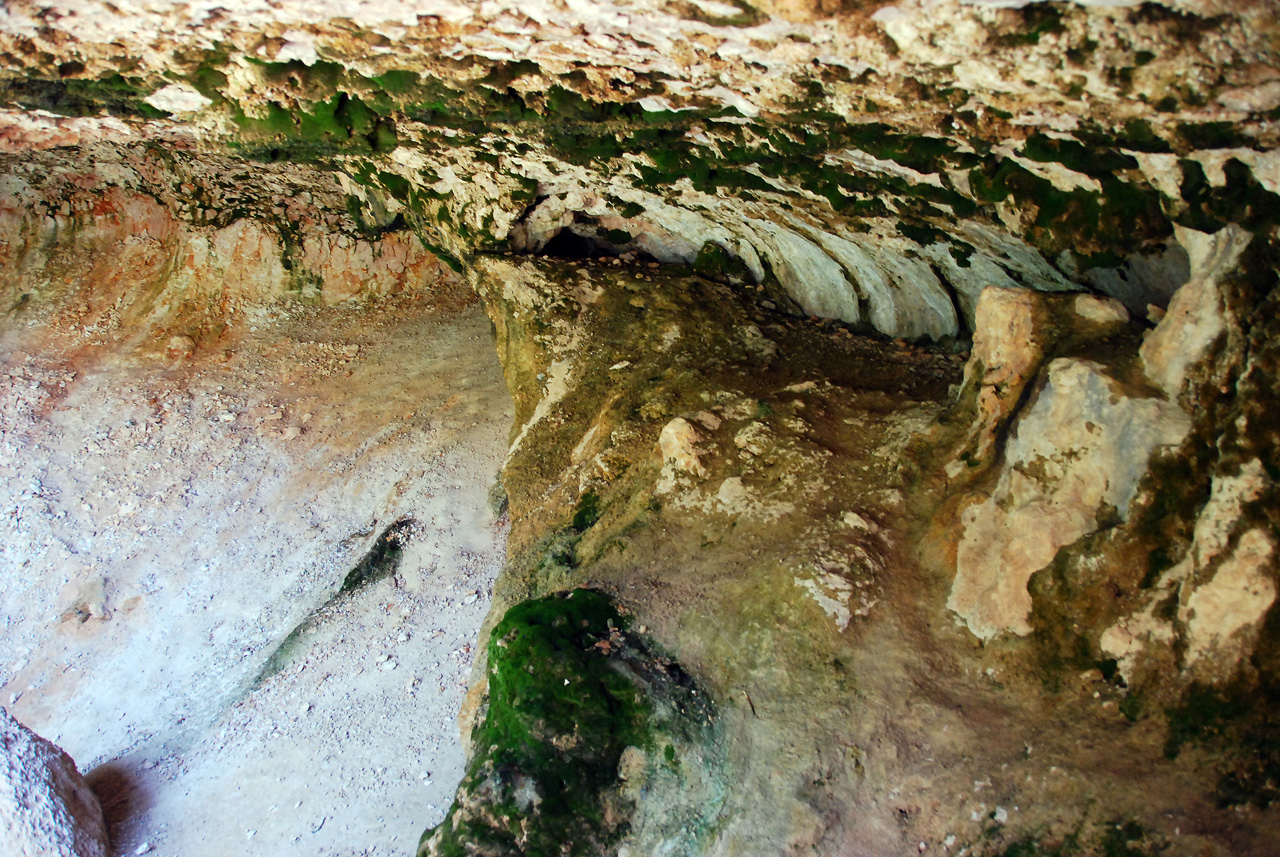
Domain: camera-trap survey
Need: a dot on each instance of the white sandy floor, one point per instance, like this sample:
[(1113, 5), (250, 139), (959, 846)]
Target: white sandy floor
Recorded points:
[(164, 524)]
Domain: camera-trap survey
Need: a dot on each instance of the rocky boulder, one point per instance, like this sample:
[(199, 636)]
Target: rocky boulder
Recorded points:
[(46, 810)]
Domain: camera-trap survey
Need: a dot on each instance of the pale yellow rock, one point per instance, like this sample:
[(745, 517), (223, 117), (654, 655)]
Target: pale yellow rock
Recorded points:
[(1161, 170), (1062, 178), (1220, 613), (180, 347), (1221, 514), (1099, 310), (1252, 99), (1125, 639), (1195, 315), (677, 444), (753, 438), (1007, 351), (1081, 445)]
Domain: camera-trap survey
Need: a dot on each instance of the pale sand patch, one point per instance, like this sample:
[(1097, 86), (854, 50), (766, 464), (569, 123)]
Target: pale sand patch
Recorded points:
[(198, 511)]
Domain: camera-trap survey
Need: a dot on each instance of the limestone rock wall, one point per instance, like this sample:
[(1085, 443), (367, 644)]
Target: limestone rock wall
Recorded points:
[(122, 241), (878, 165), (902, 375), (766, 496)]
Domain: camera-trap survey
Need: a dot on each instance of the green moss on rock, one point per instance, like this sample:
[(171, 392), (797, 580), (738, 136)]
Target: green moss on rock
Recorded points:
[(1213, 135), (115, 94), (340, 123), (569, 693), (716, 263), (1121, 219)]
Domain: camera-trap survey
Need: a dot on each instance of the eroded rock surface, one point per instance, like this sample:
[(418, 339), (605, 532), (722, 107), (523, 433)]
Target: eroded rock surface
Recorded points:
[(46, 810), (1079, 449), (903, 377)]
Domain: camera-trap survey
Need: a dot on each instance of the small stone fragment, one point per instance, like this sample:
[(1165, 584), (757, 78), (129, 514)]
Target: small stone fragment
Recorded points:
[(180, 347), (1100, 310)]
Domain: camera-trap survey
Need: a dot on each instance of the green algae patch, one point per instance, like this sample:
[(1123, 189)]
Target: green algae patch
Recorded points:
[(578, 711), (115, 94), (341, 123)]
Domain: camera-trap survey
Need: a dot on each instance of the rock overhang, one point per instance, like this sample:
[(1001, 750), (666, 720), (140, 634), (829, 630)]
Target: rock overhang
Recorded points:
[(782, 139), (879, 166)]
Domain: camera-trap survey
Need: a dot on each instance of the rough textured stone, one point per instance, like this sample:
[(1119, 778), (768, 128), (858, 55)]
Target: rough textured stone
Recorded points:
[(1216, 613), (1080, 448), (1008, 346), (1232, 602), (1195, 315), (46, 810), (677, 444), (1100, 311), (758, 221)]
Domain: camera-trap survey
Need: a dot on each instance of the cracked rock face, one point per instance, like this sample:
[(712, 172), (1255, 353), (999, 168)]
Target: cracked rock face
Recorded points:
[(897, 383), (1081, 445)]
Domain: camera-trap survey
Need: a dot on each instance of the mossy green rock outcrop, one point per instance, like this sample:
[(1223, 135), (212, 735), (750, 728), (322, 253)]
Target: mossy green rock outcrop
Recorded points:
[(582, 721)]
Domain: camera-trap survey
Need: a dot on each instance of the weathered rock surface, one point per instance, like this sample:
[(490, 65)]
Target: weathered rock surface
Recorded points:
[(1221, 597), (733, 255), (1008, 346), (1075, 455), (46, 810), (1195, 315)]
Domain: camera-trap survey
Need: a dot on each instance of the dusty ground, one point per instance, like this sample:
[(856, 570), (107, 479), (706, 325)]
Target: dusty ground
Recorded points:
[(168, 520)]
